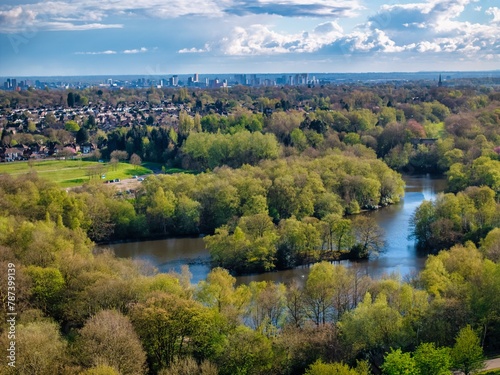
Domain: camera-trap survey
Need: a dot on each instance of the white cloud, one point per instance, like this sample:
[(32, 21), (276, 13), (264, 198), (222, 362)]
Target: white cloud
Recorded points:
[(50, 15), (297, 8), (495, 12), (206, 48), (261, 40), (107, 52), (133, 51), (112, 52), (429, 27)]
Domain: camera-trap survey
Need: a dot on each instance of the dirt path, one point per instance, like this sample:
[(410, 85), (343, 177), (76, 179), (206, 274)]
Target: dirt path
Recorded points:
[(492, 364)]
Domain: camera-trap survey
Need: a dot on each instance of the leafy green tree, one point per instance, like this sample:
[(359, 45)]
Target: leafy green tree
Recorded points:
[(48, 285), (298, 139), (321, 368), (398, 363), (490, 246), (72, 126), (245, 352), (218, 291), (373, 327), (170, 327), (467, 354), (160, 209), (320, 289), (431, 360)]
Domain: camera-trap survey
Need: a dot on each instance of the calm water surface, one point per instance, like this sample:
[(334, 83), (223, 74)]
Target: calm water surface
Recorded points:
[(399, 256)]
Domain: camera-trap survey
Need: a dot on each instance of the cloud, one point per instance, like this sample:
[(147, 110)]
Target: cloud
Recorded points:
[(297, 8), (426, 27), (133, 51), (112, 52), (495, 12), (51, 16), (90, 14), (206, 48), (261, 40), (107, 52)]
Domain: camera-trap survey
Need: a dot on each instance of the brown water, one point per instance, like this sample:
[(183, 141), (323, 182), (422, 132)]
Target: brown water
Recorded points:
[(399, 256)]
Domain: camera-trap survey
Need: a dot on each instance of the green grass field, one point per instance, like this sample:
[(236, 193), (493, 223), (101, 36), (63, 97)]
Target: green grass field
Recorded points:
[(69, 173)]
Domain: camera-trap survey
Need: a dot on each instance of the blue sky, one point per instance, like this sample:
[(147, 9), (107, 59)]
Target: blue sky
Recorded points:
[(91, 37)]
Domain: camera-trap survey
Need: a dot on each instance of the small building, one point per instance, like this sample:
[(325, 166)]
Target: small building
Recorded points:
[(13, 153)]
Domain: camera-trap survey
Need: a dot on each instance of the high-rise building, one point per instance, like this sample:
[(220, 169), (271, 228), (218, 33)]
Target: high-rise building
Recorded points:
[(196, 77)]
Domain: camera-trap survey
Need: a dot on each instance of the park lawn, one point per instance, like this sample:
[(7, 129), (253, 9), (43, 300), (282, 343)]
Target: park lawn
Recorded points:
[(69, 173)]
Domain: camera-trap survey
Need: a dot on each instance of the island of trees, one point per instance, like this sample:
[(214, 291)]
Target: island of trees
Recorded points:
[(278, 177)]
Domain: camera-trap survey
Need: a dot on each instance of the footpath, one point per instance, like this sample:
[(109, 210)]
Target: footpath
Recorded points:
[(492, 364)]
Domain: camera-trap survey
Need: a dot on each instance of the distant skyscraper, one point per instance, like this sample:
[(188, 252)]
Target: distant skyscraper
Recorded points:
[(440, 82), (196, 77)]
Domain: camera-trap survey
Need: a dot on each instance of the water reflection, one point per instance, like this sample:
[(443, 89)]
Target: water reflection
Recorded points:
[(399, 256)]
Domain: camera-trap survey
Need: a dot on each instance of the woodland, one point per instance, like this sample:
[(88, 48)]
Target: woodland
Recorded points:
[(278, 177)]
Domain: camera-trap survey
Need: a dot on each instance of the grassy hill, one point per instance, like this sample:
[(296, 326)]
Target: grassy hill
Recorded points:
[(70, 173)]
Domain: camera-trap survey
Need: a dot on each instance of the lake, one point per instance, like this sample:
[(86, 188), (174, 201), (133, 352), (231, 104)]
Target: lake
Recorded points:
[(399, 256)]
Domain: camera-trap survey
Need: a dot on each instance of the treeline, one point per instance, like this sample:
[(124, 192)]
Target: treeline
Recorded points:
[(460, 123), (84, 313)]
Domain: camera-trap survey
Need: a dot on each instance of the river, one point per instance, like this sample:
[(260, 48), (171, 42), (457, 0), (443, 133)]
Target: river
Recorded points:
[(399, 255)]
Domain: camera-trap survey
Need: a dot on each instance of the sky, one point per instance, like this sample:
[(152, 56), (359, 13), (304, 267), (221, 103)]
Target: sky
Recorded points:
[(161, 37)]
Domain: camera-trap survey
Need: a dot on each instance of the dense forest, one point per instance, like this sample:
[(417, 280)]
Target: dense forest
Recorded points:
[(279, 178)]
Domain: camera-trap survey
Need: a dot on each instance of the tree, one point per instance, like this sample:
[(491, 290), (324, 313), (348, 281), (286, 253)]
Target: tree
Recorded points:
[(82, 136), (431, 360), (72, 126), (189, 366), (490, 246), (321, 368), (119, 155), (100, 370), (369, 237), (398, 363), (43, 350), (48, 285), (320, 291), (467, 354), (245, 352), (71, 99), (135, 160), (373, 327), (161, 208), (170, 326), (109, 338)]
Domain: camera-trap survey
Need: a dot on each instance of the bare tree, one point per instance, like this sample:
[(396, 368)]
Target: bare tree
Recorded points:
[(135, 160), (109, 338), (119, 155)]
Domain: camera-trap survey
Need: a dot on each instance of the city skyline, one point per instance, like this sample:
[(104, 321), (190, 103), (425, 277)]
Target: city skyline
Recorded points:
[(62, 38)]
